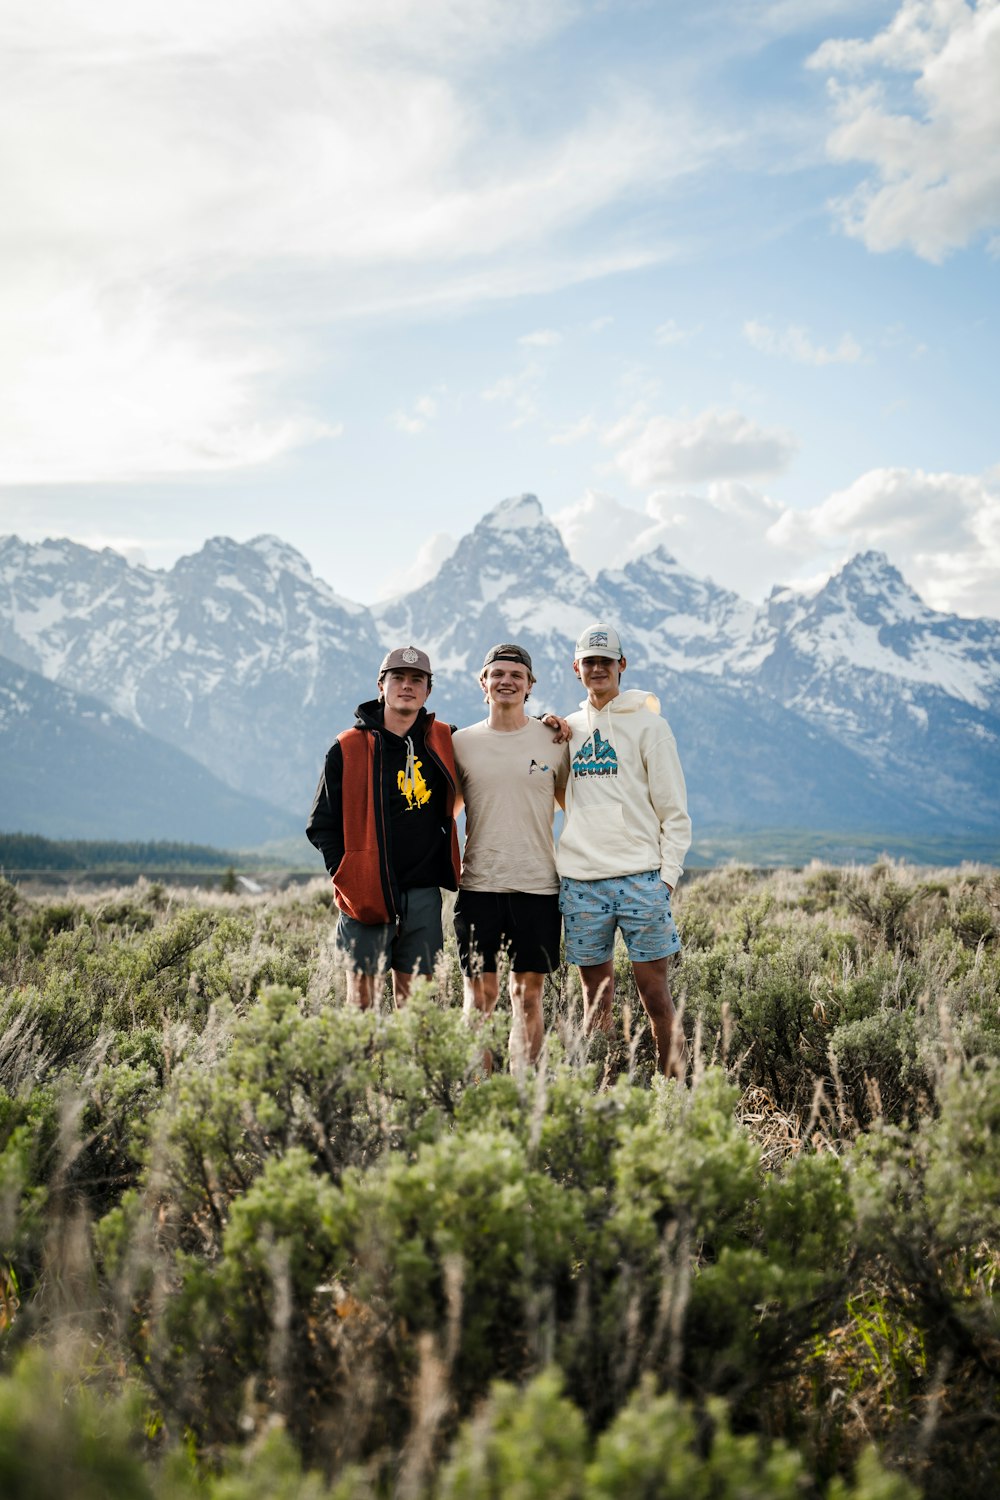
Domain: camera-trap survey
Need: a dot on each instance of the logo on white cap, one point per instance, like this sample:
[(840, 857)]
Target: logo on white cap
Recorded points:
[(598, 637)]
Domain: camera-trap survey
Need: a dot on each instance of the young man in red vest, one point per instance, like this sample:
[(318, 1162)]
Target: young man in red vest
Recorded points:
[(383, 819)]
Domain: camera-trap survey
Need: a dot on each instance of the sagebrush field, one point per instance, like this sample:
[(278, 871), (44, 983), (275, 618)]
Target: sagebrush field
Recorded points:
[(255, 1246)]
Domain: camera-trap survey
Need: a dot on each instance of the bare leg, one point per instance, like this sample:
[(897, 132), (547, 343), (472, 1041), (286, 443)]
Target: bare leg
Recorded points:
[(527, 1028), (598, 981), (480, 1001), (401, 987), (360, 990), (654, 992)]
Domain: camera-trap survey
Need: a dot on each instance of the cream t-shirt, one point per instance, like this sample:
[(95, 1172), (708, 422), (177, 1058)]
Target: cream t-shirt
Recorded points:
[(508, 780)]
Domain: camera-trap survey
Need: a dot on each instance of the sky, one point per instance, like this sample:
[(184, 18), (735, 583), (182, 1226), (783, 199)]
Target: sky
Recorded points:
[(718, 277)]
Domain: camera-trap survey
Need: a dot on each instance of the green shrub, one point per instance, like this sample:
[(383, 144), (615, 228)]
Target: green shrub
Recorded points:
[(59, 1439), (879, 1066), (322, 1233), (522, 1445)]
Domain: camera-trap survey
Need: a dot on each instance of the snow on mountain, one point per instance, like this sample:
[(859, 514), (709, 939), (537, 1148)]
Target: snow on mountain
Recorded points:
[(670, 613), (867, 618), (854, 706), (510, 578), (221, 656)]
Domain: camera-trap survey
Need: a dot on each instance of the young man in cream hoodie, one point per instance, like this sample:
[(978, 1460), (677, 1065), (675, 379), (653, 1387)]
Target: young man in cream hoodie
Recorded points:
[(622, 848)]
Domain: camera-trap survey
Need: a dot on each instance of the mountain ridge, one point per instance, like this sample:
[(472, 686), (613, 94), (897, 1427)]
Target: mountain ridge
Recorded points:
[(853, 701), (73, 768)]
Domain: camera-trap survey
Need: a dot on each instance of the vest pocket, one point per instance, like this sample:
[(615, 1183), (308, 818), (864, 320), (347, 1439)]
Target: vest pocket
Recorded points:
[(357, 886)]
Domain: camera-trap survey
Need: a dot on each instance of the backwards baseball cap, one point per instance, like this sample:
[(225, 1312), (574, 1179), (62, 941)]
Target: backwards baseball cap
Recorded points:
[(507, 652), (405, 659), (599, 640)]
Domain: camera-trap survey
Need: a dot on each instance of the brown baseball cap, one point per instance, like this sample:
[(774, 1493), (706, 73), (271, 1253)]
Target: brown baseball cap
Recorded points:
[(405, 659)]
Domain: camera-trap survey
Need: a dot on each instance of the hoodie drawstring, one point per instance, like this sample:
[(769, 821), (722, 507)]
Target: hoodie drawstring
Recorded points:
[(410, 771)]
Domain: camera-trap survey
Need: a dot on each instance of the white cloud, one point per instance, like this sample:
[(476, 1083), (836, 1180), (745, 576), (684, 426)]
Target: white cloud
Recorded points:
[(936, 179), (721, 533), (599, 531), (520, 392), (716, 444), (574, 433), (435, 30), (109, 386), (430, 555), (414, 421), (795, 344), (941, 530), (544, 338), (257, 167), (670, 333)]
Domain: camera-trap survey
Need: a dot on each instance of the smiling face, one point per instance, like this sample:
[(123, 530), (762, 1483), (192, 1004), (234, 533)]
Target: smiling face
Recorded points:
[(506, 683), (600, 675)]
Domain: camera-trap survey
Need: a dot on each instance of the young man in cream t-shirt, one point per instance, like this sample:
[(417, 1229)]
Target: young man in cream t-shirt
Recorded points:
[(511, 774)]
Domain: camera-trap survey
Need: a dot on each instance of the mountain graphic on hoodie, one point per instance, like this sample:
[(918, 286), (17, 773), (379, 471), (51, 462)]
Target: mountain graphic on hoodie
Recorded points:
[(596, 757)]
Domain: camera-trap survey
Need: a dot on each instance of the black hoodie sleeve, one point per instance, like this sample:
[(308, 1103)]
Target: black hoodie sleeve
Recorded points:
[(325, 828)]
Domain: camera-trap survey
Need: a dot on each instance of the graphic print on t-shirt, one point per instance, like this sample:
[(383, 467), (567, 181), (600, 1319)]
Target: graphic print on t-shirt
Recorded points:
[(595, 757)]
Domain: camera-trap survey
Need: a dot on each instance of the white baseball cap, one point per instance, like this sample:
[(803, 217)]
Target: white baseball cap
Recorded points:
[(599, 640)]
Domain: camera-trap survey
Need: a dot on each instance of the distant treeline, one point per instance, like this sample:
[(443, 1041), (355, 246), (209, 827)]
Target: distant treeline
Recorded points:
[(29, 851)]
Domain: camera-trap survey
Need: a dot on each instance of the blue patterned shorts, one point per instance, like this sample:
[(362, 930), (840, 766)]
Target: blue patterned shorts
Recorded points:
[(638, 904)]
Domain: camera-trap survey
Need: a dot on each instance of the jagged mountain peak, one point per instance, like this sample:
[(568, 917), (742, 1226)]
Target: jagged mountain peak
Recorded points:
[(659, 563), (664, 606), (517, 513), (265, 563), (867, 624), (513, 552), (661, 568), (872, 562), (280, 554), (875, 590), (241, 656), (514, 536), (58, 550), (510, 578)]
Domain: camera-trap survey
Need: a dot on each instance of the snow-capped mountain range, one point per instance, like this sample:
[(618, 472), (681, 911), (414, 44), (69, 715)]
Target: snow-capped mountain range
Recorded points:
[(72, 768), (853, 708)]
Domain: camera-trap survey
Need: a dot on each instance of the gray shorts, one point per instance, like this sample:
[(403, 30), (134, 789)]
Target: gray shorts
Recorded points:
[(410, 947)]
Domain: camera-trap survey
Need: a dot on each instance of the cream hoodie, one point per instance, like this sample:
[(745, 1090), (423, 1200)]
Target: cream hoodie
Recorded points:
[(626, 803)]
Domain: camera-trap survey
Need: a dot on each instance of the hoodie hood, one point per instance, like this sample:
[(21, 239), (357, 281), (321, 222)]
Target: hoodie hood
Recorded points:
[(371, 715), (626, 703)]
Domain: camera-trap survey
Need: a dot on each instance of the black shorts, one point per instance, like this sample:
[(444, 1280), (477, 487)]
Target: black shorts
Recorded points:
[(528, 927)]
